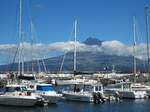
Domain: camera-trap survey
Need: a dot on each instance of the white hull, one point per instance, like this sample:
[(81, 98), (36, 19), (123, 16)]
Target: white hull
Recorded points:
[(127, 90), (76, 81), (17, 100), (132, 94), (51, 98), (78, 97), (48, 93)]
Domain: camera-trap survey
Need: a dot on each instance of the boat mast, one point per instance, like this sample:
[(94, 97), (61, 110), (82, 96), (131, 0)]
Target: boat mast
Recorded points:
[(75, 49), (31, 44), (22, 53), (147, 39), (134, 47), (20, 35)]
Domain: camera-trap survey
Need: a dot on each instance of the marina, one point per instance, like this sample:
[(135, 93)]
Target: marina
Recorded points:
[(99, 68)]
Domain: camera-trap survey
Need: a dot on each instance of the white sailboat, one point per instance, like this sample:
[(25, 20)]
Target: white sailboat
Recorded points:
[(85, 90), (16, 95), (127, 89), (124, 90), (139, 86)]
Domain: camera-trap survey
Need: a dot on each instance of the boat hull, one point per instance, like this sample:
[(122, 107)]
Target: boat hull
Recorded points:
[(18, 100), (132, 94), (52, 98), (78, 97)]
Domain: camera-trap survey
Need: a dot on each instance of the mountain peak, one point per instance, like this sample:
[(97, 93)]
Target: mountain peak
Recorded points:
[(93, 41)]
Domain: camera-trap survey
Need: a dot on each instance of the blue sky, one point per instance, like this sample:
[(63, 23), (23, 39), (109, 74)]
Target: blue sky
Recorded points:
[(53, 19), (109, 20)]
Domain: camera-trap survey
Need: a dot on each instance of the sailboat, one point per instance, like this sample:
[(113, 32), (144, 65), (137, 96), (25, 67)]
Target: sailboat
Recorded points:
[(17, 94), (139, 86), (82, 90), (130, 90)]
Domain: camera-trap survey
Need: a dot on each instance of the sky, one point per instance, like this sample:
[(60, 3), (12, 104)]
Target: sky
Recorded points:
[(109, 20)]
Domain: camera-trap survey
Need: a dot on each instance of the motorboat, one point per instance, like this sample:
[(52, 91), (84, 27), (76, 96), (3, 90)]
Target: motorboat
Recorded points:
[(125, 90), (48, 92), (84, 92), (17, 95)]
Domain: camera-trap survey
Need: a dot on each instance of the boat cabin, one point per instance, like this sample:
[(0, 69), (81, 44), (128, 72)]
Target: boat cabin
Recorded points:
[(86, 88), (120, 86), (15, 88), (45, 88)]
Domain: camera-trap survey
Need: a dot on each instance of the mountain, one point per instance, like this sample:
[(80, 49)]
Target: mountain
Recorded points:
[(86, 61), (93, 41)]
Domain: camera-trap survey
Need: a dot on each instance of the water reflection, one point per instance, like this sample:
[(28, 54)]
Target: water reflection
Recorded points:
[(124, 106)]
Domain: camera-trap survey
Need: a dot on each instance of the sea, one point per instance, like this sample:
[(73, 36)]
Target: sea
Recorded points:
[(65, 106)]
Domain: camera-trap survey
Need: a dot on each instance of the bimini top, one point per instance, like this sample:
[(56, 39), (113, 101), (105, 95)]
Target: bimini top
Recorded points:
[(44, 87)]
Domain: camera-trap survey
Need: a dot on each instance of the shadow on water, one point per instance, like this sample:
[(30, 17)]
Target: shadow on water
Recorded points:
[(4, 108), (124, 106)]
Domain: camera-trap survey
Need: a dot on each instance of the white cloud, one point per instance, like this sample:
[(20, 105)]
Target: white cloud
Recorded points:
[(69, 46), (116, 47), (7, 51)]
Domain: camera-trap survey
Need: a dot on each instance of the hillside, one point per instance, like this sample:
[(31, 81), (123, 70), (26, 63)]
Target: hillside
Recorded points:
[(86, 61)]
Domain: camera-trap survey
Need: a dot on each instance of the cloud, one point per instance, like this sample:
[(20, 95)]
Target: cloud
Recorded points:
[(69, 46), (117, 48), (39, 50)]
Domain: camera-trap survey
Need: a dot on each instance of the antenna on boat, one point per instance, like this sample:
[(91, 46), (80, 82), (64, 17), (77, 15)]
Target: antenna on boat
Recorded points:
[(147, 38), (134, 46), (75, 47)]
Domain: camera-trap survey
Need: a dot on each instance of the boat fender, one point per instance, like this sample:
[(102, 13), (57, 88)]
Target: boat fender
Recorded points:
[(22, 94)]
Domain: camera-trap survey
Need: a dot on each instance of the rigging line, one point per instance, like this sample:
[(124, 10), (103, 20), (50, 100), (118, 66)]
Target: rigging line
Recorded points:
[(31, 43), (75, 47), (39, 66), (64, 56), (45, 69), (140, 40), (33, 38), (14, 57), (134, 46), (147, 37), (14, 34), (20, 31)]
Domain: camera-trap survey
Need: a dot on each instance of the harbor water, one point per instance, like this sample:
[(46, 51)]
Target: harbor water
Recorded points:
[(123, 106)]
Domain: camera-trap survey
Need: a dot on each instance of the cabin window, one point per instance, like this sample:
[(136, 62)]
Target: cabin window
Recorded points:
[(17, 89), (117, 86), (23, 88), (96, 88), (126, 86), (99, 88), (10, 89), (45, 88), (88, 88)]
